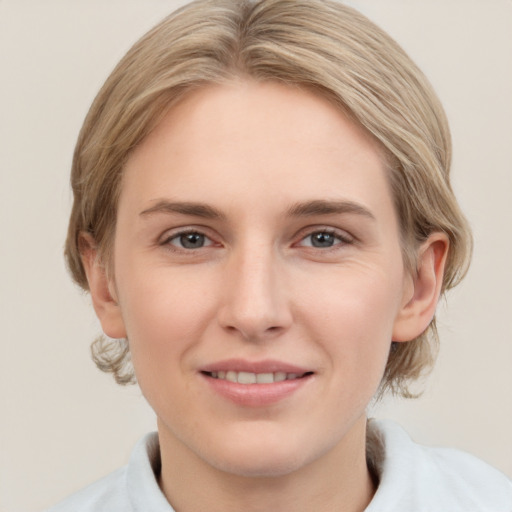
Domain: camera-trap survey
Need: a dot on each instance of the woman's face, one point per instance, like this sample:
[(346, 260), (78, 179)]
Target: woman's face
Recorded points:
[(257, 242)]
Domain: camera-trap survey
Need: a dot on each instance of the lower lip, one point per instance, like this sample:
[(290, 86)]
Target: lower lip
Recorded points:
[(256, 395)]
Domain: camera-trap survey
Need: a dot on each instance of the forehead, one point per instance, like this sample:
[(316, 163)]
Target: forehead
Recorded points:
[(249, 140)]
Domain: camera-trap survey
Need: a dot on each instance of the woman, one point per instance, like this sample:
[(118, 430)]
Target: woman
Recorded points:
[(264, 220)]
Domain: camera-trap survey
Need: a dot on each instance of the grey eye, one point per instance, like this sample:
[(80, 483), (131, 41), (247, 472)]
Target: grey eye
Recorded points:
[(192, 240), (322, 239)]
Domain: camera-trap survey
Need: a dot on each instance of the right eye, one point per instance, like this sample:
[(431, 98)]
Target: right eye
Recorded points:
[(189, 240)]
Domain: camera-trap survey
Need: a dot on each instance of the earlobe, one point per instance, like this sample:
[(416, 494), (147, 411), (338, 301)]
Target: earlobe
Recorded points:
[(417, 311), (102, 289)]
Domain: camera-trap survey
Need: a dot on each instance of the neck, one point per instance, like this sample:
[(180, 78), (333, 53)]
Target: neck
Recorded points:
[(338, 480)]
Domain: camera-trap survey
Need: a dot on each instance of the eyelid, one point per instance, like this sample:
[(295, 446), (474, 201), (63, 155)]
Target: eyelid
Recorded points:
[(170, 234), (344, 236)]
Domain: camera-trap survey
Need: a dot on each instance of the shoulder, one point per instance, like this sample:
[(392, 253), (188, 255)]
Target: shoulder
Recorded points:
[(133, 488), (421, 478), (105, 494)]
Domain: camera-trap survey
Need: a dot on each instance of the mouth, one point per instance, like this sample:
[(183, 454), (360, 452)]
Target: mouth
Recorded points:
[(256, 384), (243, 377)]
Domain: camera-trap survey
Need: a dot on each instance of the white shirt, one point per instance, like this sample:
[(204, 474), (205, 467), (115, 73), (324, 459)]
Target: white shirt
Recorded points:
[(412, 478)]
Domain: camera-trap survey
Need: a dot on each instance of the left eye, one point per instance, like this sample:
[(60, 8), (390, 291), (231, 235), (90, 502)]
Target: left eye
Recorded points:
[(322, 240), (190, 240)]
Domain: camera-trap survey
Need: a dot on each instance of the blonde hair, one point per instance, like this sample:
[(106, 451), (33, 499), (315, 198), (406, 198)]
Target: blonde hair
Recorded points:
[(321, 45)]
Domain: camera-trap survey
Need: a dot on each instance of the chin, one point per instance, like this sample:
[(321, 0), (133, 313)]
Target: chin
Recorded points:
[(260, 457), (261, 466)]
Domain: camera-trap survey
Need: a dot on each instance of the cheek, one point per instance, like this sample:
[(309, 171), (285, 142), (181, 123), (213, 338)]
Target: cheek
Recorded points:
[(353, 320), (165, 313)]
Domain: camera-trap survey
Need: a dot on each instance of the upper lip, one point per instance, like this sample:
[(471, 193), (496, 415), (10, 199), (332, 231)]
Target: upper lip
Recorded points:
[(265, 366)]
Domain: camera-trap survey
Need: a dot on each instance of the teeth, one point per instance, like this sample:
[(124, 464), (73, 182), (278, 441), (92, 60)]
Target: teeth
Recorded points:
[(246, 378), (279, 376), (264, 378), (254, 378), (231, 376)]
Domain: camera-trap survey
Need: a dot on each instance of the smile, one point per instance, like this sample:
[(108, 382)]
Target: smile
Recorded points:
[(255, 378), (256, 383)]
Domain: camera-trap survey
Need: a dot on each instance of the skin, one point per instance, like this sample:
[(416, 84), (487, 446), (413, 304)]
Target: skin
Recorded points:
[(256, 285)]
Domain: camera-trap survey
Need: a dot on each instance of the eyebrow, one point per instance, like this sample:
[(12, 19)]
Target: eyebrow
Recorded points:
[(303, 209), (324, 207), (201, 210)]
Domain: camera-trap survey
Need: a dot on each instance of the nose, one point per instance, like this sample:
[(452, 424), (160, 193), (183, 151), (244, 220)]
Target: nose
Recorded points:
[(255, 299)]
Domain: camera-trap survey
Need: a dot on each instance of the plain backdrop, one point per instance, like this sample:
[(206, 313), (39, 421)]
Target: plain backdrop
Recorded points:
[(64, 424)]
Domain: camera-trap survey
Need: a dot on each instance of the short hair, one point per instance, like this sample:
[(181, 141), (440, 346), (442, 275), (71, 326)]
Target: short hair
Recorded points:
[(320, 45)]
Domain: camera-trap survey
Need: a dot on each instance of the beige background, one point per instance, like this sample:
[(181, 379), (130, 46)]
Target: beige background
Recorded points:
[(64, 424)]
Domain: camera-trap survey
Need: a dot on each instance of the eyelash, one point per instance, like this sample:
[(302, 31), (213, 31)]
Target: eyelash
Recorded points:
[(176, 236), (341, 238)]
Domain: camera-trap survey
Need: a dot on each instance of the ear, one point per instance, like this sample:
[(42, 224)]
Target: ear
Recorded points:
[(420, 304), (102, 289)]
